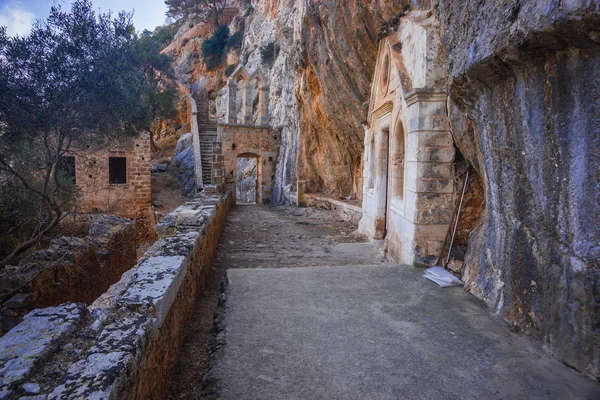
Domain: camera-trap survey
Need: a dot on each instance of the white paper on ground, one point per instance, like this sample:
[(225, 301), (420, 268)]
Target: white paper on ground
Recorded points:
[(442, 277)]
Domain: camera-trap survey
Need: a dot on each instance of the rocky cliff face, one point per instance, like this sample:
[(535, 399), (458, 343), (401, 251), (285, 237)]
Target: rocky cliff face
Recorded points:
[(525, 90), (339, 48), (319, 80)]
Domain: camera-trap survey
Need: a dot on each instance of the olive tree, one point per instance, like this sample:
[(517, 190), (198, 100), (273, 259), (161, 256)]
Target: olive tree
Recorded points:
[(77, 78)]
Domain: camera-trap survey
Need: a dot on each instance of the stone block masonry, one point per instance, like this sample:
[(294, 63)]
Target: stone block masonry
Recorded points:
[(124, 346), (252, 142)]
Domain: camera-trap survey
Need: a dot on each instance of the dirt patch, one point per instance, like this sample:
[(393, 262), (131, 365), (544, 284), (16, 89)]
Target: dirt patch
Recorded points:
[(166, 191)]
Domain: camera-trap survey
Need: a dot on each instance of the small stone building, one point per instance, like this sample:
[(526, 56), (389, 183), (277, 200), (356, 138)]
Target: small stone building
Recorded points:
[(408, 187), (113, 178)]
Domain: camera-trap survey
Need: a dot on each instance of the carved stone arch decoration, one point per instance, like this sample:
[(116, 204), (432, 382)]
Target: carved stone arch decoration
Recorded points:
[(258, 75), (239, 73)]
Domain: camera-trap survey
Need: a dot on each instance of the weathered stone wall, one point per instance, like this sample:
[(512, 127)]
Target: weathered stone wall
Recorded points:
[(125, 345), (71, 270), (92, 178), (525, 102), (250, 141), (408, 179)]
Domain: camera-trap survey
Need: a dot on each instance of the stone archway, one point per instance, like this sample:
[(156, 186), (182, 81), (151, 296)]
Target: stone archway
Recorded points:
[(248, 176)]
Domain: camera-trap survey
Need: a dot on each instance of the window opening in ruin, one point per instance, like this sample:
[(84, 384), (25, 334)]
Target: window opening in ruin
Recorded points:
[(66, 169), (372, 164), (117, 170), (247, 180), (398, 162)]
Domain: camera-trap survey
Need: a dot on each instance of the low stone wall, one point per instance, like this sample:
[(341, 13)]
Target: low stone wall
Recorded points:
[(346, 211), (125, 345)]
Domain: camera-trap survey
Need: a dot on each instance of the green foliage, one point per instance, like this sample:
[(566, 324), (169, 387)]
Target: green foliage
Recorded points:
[(235, 40), (164, 34), (213, 48), (180, 8), (229, 70), (203, 8), (78, 79), (158, 90), (268, 52)]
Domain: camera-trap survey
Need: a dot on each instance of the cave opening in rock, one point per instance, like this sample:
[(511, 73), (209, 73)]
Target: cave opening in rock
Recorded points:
[(471, 213), (247, 179)]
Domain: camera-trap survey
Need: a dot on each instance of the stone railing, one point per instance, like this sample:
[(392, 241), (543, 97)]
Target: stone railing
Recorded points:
[(125, 345)]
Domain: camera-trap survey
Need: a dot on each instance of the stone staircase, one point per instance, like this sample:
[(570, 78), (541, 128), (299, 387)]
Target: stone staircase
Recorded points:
[(208, 134)]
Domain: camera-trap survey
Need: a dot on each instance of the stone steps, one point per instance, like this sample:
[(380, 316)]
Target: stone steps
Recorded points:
[(208, 135)]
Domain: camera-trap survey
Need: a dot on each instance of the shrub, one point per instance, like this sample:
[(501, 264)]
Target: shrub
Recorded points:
[(213, 48), (268, 52), (229, 70), (235, 41)]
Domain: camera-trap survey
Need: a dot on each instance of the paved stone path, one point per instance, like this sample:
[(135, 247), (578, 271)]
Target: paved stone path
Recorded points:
[(359, 328)]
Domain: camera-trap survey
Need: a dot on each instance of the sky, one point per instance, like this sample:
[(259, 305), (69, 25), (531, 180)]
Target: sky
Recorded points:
[(19, 15)]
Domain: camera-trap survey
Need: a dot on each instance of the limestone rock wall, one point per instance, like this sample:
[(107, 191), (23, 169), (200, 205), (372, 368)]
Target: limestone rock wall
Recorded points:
[(319, 85), (246, 180), (339, 46), (525, 101)]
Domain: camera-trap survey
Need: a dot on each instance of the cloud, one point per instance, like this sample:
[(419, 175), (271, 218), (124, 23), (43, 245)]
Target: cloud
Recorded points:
[(16, 18)]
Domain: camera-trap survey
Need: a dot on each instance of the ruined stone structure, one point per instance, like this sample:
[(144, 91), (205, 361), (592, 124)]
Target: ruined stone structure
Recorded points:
[(510, 86), (246, 133), (114, 178), (72, 269)]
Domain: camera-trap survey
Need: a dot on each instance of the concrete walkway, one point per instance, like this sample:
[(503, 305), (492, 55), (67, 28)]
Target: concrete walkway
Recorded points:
[(370, 331)]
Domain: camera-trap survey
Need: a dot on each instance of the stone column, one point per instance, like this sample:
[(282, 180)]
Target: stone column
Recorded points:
[(247, 104), (264, 105), (231, 116), (430, 200)]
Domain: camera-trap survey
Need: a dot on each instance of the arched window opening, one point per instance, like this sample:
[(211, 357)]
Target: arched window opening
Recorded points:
[(398, 155)]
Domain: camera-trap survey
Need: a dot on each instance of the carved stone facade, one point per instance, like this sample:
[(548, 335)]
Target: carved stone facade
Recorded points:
[(408, 189)]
